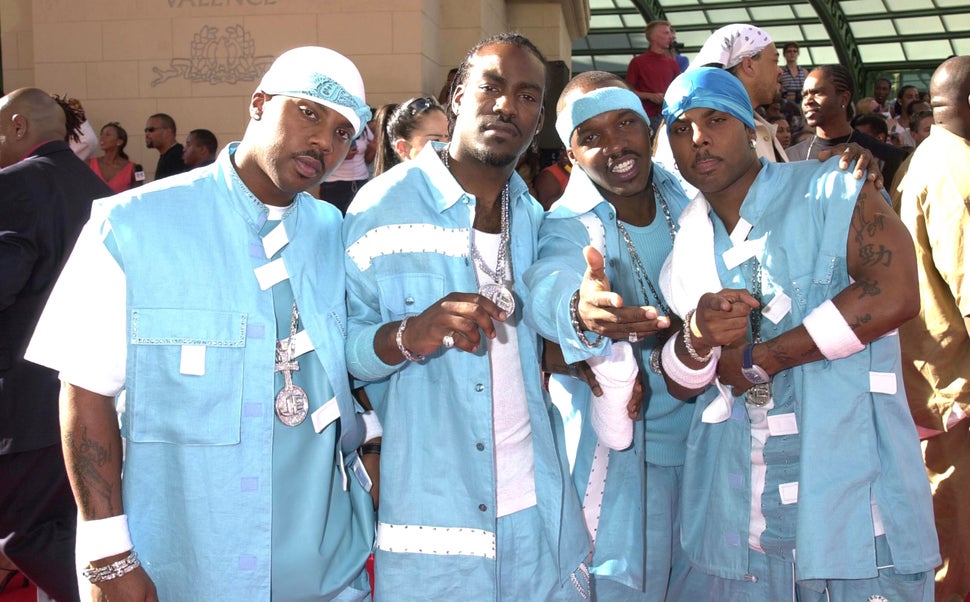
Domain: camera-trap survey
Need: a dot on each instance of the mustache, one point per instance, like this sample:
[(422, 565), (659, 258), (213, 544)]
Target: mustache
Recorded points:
[(705, 157), (620, 156), (505, 121)]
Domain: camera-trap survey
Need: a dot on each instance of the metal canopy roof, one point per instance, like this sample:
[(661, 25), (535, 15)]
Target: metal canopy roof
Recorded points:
[(905, 39)]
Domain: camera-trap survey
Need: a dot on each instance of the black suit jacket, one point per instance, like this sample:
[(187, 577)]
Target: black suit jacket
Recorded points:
[(44, 201)]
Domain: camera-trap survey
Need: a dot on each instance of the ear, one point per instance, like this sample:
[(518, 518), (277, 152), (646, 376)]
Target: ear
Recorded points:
[(457, 97), (572, 157), (401, 148), (20, 125), (256, 104), (542, 119)]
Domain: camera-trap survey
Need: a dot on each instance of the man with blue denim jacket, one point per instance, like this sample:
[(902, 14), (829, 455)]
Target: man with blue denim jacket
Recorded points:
[(803, 477), (215, 301), (475, 499)]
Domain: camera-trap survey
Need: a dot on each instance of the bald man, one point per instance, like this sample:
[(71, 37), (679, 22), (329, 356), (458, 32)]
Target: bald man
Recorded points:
[(933, 198), (45, 198)]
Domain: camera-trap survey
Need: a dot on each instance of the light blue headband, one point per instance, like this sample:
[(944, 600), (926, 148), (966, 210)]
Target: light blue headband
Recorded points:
[(596, 103), (708, 88)]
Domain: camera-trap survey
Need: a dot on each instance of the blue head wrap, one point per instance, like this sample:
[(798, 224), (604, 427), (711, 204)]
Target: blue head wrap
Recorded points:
[(708, 88), (595, 103)]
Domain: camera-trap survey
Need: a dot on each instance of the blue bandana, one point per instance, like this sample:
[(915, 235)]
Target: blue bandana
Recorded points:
[(707, 88), (596, 103)]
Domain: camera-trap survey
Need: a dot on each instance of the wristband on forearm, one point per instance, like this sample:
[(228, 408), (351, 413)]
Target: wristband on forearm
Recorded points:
[(372, 425), (102, 538), (681, 374), (831, 333)]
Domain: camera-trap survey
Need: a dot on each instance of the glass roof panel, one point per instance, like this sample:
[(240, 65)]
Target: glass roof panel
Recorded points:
[(872, 29), (917, 25), (633, 20), (604, 22), (882, 53), (904, 5), (724, 16), (928, 50), (820, 56), (863, 7), (771, 13), (603, 4), (686, 18), (957, 22)]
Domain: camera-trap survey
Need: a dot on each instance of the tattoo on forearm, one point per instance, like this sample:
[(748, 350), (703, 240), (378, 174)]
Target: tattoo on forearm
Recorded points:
[(88, 457), (865, 227), (779, 353), (860, 320), (867, 289), (870, 255)]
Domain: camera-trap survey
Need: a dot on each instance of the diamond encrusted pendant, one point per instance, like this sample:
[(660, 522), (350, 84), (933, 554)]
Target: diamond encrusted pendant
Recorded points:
[(499, 295), (292, 405)]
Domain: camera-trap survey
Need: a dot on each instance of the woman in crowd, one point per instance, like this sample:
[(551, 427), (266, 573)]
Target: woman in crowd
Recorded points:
[(405, 130), (114, 167)]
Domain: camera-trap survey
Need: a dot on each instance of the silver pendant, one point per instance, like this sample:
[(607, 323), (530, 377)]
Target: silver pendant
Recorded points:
[(292, 405), (499, 295), (655, 359), (758, 395)]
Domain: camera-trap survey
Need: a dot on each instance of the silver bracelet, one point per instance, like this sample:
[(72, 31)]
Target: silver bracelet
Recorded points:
[(574, 318), (411, 357), (689, 341), (118, 568)]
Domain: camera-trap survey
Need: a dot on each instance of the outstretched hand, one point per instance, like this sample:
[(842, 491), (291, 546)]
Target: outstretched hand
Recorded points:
[(463, 317), (602, 311)]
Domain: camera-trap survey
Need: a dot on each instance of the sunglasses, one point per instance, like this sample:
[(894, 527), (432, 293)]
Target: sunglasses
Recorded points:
[(419, 105), (149, 130)]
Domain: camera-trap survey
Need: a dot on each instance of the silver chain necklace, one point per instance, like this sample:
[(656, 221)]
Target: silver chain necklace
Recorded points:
[(292, 405), (757, 395), (643, 277), (500, 290)]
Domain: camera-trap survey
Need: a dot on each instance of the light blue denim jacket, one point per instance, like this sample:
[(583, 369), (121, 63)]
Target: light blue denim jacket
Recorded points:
[(407, 237), (198, 475)]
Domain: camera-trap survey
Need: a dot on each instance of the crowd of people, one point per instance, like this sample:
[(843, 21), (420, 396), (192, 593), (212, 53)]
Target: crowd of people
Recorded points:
[(692, 359)]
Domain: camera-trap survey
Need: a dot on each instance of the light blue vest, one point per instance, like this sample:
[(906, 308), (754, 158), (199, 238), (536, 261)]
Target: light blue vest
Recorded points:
[(198, 475), (855, 444)]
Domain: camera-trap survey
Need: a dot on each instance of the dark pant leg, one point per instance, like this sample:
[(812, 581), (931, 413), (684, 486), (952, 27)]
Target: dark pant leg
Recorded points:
[(38, 520)]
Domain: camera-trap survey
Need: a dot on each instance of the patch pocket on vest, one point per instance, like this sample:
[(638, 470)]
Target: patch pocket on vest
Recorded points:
[(186, 384), (408, 294)]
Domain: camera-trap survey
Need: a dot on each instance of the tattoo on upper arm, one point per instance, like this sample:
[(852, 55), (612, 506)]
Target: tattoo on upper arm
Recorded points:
[(863, 226), (871, 255), (88, 458)]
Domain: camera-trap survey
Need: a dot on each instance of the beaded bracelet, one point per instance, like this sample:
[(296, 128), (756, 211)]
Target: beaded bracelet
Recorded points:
[(116, 569), (411, 357), (689, 341), (574, 318)]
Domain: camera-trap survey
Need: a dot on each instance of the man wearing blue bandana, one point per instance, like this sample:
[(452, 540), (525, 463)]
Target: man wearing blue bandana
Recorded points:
[(215, 300), (803, 477), (595, 291)]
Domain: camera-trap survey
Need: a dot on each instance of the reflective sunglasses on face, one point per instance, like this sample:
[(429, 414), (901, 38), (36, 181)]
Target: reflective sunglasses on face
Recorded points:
[(149, 130)]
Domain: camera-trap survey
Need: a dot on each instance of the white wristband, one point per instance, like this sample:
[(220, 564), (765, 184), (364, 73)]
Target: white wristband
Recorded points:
[(832, 334), (372, 425), (683, 375), (97, 539)]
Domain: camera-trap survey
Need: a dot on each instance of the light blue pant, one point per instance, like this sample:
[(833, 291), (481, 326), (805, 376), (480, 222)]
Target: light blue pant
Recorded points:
[(526, 566)]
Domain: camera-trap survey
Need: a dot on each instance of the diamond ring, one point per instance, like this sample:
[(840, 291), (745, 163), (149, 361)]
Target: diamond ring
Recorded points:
[(632, 337), (448, 340)]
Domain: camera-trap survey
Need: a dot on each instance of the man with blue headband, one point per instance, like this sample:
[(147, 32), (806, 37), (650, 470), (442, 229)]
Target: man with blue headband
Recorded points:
[(595, 291), (803, 477), (215, 300)]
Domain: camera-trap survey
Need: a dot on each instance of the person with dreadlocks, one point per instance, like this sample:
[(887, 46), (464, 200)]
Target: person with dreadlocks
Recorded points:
[(80, 134), (476, 498), (827, 105)]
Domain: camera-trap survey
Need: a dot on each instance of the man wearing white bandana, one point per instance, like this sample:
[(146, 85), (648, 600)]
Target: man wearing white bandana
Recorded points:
[(595, 291), (476, 500), (803, 477), (748, 53), (215, 300)]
